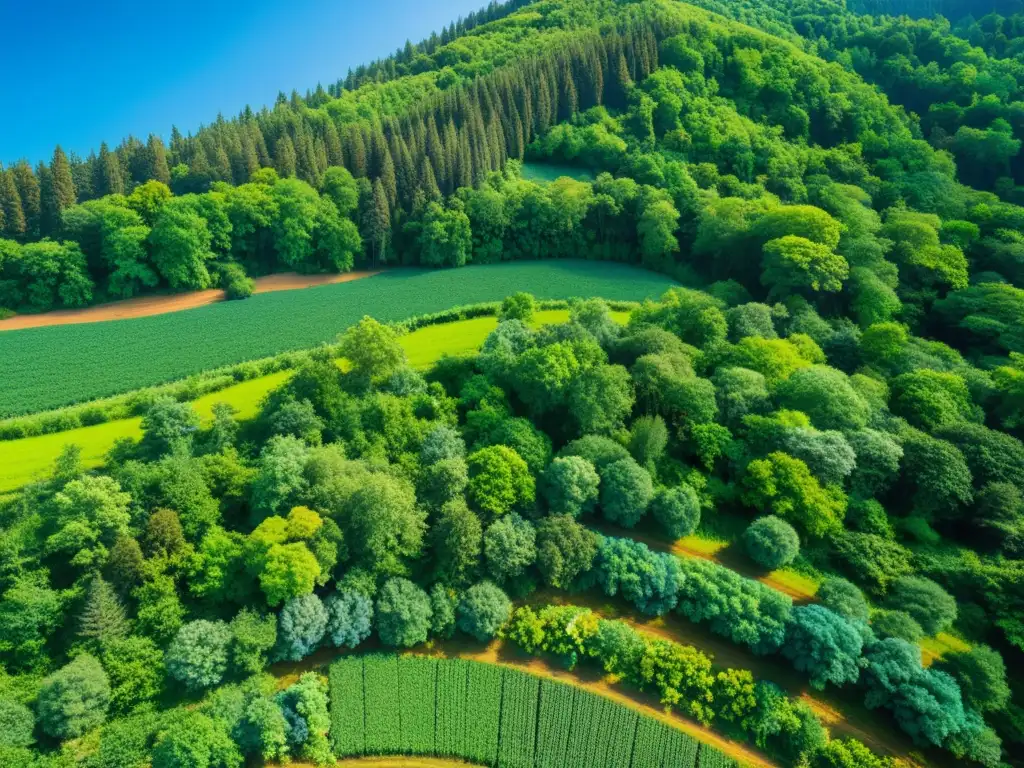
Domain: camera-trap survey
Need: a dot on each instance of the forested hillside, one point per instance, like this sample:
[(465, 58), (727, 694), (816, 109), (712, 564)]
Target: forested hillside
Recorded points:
[(836, 393)]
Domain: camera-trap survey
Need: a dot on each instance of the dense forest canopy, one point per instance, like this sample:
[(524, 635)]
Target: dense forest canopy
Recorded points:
[(836, 389)]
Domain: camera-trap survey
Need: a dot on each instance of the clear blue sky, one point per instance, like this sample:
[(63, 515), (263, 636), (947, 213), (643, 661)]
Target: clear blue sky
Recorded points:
[(80, 73)]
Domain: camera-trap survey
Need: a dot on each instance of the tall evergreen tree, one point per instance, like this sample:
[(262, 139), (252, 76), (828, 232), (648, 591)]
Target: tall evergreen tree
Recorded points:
[(63, 186), (379, 225), (107, 173), (157, 155), (10, 203), (28, 190), (103, 619), (285, 161)]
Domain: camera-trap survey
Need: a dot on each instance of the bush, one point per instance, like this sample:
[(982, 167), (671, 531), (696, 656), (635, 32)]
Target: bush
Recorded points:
[(234, 281), (300, 627), (74, 699), (771, 542), (844, 598), (403, 614), (483, 611), (626, 491), (676, 510), (930, 605), (198, 655), (16, 724), (519, 306), (896, 624)]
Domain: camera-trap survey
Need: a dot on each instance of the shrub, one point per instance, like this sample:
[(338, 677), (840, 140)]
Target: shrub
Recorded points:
[(771, 542), (483, 611), (300, 627), (234, 281), (930, 605), (403, 614), (896, 624), (844, 598), (198, 655), (74, 699), (676, 510)]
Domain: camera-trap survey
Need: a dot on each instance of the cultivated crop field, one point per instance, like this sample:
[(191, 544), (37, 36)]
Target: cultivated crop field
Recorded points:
[(494, 716), (27, 458), (118, 356)]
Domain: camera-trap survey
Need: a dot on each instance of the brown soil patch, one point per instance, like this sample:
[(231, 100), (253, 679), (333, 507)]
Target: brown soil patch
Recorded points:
[(145, 306)]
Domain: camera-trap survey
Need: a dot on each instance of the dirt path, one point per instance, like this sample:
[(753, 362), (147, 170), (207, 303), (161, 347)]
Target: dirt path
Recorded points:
[(144, 306)]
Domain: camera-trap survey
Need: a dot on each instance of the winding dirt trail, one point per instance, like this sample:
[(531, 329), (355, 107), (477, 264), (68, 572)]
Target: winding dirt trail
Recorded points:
[(145, 306)]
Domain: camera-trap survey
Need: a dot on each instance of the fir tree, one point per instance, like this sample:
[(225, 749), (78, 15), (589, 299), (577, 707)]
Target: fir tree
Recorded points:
[(10, 204), (63, 186), (103, 619), (157, 156), (28, 191), (284, 156), (379, 225)]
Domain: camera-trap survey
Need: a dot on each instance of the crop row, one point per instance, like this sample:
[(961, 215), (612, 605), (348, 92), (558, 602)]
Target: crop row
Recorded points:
[(490, 715)]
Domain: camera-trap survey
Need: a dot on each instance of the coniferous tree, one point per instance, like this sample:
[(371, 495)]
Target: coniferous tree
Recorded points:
[(63, 186), (356, 152), (10, 203), (284, 157), (108, 178), (379, 224), (28, 191), (427, 181), (157, 156), (103, 619)]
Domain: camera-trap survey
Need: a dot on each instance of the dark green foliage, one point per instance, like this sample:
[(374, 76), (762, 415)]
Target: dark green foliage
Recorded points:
[(930, 605), (483, 611), (676, 510), (403, 613), (771, 542), (844, 598)]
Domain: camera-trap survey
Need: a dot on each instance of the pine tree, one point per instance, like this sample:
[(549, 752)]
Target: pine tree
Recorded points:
[(356, 152), (107, 179), (249, 162), (157, 154), (259, 143), (379, 225), (10, 203), (28, 190), (427, 181), (284, 156), (63, 186), (388, 178), (103, 619), (222, 166), (332, 142)]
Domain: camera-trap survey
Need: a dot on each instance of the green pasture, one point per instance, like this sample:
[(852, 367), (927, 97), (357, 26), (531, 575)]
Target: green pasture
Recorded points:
[(46, 368), (30, 458)]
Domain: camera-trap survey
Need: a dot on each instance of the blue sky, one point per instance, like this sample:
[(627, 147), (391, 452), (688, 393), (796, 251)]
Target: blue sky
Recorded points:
[(81, 73)]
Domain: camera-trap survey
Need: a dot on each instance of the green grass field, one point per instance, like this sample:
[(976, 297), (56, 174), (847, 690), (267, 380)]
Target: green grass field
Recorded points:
[(45, 368), (545, 172), (22, 461)]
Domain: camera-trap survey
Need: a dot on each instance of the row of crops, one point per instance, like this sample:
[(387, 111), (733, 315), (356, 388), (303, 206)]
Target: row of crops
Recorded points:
[(494, 716), (122, 355)]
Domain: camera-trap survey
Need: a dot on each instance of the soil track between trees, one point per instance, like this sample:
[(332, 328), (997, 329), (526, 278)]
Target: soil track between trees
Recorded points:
[(145, 306)]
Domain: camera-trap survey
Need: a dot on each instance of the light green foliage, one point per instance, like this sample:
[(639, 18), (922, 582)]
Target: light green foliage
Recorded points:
[(499, 481), (930, 605), (785, 487), (74, 699), (198, 655), (252, 637)]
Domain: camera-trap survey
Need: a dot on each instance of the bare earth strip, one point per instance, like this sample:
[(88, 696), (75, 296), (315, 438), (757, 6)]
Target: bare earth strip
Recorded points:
[(144, 306)]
